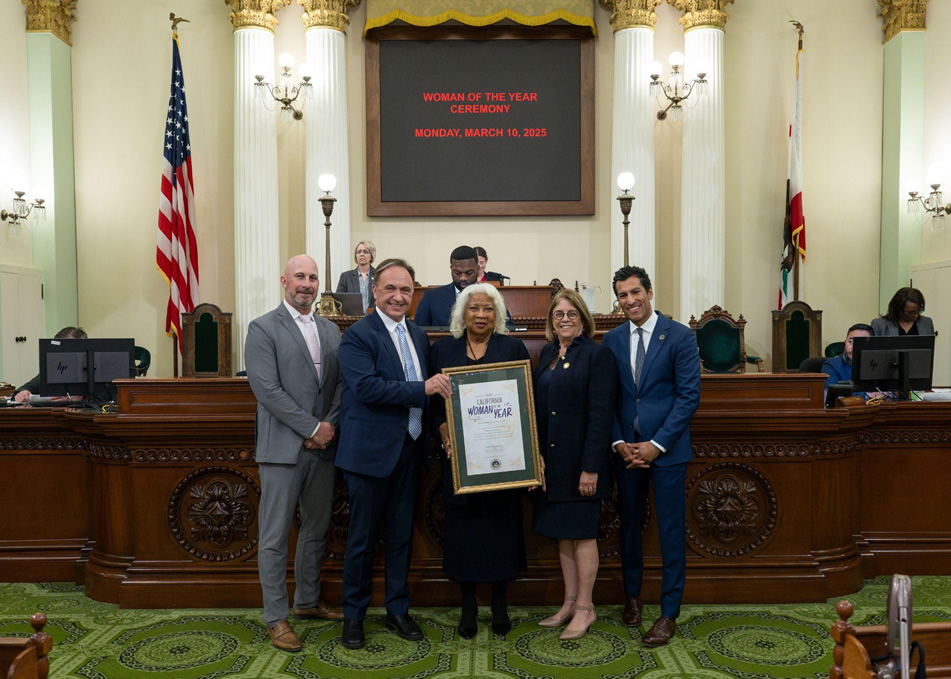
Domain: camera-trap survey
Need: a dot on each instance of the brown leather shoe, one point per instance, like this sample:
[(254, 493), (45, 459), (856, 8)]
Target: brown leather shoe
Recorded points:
[(632, 612), (283, 637), (661, 633), (321, 610)]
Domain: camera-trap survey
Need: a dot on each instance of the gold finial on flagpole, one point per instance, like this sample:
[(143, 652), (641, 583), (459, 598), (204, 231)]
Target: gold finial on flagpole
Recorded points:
[(175, 22), (799, 28)]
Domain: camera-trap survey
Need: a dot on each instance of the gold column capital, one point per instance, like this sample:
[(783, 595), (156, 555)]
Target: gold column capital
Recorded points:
[(709, 13), (51, 16), (327, 13), (632, 13), (902, 15), (259, 13)]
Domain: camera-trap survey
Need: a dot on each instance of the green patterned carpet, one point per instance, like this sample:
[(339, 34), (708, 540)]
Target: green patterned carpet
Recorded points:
[(97, 640)]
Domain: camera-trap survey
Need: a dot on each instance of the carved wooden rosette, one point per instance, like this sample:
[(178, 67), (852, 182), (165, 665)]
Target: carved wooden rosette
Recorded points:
[(902, 15), (732, 509), (632, 13), (257, 13), (51, 16), (211, 513), (697, 13), (326, 13)]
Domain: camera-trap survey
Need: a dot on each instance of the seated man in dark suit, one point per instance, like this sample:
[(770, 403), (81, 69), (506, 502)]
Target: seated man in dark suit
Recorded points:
[(436, 304)]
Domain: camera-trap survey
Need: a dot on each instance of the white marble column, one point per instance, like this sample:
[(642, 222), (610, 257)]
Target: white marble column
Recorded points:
[(703, 211), (327, 149), (632, 146), (257, 265)]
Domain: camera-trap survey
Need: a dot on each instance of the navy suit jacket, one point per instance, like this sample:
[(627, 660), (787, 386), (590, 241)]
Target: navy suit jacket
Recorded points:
[(669, 392), (376, 398), (435, 306)]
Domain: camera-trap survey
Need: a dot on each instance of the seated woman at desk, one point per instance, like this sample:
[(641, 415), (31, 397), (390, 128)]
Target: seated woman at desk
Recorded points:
[(903, 316), (486, 276), (22, 395)]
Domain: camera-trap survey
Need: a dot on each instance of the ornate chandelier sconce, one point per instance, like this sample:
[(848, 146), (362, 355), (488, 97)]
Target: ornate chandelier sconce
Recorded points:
[(21, 211), (286, 92), (670, 95)]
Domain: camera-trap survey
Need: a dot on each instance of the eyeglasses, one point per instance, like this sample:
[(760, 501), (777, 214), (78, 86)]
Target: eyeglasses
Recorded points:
[(570, 315), (910, 312)]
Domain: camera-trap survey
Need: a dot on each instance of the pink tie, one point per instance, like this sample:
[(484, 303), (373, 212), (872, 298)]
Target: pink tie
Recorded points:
[(310, 336)]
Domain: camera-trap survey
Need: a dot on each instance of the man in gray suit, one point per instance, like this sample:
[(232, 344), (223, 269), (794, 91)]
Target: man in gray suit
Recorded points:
[(291, 359)]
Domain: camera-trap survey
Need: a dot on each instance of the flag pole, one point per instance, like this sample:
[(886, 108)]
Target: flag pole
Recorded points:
[(174, 355), (795, 244)]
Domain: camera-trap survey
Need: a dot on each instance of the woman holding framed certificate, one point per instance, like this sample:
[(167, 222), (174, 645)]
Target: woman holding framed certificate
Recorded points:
[(575, 384), (483, 537)]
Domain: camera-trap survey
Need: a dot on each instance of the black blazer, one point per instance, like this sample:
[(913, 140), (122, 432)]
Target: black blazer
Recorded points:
[(580, 412), (449, 352), (350, 282)]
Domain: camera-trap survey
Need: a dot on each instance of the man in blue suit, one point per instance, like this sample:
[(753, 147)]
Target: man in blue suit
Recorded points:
[(434, 307), (659, 368), (383, 359)]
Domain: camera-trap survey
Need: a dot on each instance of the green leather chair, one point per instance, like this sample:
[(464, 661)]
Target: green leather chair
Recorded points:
[(722, 343), (834, 349)]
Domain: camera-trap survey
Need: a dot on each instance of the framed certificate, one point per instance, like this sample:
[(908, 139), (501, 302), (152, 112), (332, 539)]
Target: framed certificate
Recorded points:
[(491, 417)]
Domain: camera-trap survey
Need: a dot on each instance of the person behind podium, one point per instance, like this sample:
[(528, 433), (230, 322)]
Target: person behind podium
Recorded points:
[(904, 315), (575, 384), (839, 368), (486, 276), (436, 304), (659, 367), (22, 395), (291, 360), (384, 359), (360, 279), (484, 540)]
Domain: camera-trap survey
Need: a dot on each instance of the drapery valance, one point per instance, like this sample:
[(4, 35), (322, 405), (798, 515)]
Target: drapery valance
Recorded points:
[(479, 12)]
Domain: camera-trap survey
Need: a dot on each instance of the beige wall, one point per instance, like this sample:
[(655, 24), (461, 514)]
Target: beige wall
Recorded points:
[(14, 128), (120, 73)]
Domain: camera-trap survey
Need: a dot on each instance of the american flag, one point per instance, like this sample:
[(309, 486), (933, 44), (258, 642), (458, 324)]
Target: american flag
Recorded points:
[(177, 251)]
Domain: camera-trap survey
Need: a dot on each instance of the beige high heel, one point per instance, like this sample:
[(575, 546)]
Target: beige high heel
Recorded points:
[(578, 633), (556, 620)]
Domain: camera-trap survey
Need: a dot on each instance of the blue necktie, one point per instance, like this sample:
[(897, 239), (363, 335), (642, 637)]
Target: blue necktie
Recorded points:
[(639, 357), (415, 427)]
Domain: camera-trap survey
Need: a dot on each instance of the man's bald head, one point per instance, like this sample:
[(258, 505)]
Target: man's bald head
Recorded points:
[(300, 282)]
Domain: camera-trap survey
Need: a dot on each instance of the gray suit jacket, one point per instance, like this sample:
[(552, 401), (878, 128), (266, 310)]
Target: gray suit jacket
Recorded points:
[(291, 401), (885, 327), (349, 281)]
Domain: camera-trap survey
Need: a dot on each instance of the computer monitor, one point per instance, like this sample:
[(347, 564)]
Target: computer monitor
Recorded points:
[(888, 363), (65, 366)]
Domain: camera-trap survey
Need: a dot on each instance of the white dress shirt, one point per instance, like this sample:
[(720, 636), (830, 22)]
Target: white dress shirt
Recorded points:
[(391, 328), (295, 314), (648, 331)]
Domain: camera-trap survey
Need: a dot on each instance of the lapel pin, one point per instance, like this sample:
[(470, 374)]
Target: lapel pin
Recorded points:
[(662, 337), (565, 366)]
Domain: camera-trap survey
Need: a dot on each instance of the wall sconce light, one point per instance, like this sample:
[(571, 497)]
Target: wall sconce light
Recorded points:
[(676, 90), (329, 306), (20, 211), (933, 203), (286, 93), (625, 182)]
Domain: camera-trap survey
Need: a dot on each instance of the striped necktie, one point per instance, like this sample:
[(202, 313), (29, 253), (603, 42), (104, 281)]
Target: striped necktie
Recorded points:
[(415, 427), (639, 357)]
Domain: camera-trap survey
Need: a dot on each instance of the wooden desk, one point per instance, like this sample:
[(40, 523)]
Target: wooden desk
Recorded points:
[(156, 506)]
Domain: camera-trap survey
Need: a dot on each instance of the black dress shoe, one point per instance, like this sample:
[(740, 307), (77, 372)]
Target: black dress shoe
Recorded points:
[(501, 625), (404, 626), (353, 637), (467, 631)]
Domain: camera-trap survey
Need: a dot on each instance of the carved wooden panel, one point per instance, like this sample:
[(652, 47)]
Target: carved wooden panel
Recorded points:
[(213, 511), (731, 509)]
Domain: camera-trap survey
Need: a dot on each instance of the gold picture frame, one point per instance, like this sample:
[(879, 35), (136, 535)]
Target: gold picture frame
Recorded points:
[(493, 446)]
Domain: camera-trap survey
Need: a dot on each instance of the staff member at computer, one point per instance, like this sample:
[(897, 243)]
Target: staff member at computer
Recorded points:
[(22, 395), (360, 279), (903, 316)]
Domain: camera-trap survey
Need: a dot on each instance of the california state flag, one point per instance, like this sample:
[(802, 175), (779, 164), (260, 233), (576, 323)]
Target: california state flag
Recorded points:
[(794, 227)]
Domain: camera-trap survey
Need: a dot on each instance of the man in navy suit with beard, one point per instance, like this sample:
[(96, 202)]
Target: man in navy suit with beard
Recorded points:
[(659, 378), (383, 359)]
